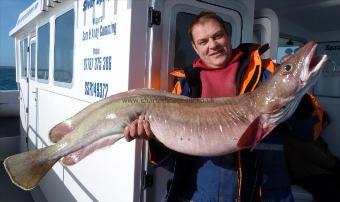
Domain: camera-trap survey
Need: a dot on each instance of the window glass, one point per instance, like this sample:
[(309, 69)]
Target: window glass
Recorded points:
[(63, 48), (283, 41), (23, 51), (32, 58), (43, 51), (287, 46)]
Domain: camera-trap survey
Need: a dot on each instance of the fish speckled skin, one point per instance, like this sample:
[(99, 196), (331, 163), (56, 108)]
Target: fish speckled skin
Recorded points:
[(204, 127)]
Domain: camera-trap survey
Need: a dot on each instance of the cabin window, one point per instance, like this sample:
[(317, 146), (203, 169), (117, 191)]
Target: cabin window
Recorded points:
[(32, 59), (23, 53), (43, 51), (184, 53), (63, 49)]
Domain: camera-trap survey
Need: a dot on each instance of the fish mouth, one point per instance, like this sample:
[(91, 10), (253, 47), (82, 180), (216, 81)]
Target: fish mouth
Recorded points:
[(313, 63), (316, 63)]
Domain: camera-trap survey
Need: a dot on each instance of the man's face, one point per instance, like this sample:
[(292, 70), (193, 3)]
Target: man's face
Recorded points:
[(211, 43)]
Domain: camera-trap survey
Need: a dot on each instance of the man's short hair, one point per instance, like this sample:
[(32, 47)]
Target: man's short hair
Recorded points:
[(203, 16)]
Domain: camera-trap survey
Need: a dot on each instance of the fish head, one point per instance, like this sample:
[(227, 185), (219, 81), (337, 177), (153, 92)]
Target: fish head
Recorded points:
[(283, 90)]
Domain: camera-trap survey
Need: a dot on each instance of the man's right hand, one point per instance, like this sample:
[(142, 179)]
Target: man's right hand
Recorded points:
[(139, 128)]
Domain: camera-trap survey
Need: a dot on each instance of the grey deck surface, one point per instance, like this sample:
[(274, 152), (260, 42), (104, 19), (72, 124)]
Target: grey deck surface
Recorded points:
[(9, 126), (9, 192)]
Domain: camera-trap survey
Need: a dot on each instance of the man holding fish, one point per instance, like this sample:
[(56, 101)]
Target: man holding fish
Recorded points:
[(201, 134), (219, 72)]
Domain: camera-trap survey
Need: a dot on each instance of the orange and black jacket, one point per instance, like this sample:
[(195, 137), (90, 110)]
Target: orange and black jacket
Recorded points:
[(309, 112), (306, 152)]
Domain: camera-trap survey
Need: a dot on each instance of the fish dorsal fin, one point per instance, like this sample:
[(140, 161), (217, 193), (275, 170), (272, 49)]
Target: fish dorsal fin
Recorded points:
[(253, 134)]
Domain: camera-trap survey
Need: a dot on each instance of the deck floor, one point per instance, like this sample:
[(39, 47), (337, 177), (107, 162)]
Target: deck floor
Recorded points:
[(9, 126), (9, 192)]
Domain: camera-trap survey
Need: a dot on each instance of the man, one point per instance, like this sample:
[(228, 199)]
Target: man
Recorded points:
[(219, 71)]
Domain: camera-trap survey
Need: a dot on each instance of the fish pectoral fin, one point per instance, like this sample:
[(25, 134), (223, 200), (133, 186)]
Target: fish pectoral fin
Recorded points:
[(80, 154), (252, 135), (60, 130)]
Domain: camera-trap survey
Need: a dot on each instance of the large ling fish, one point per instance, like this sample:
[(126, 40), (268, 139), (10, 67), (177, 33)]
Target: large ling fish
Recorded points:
[(203, 127)]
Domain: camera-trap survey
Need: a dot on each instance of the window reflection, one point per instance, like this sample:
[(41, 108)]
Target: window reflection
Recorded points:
[(43, 51), (23, 51), (32, 72), (63, 49)]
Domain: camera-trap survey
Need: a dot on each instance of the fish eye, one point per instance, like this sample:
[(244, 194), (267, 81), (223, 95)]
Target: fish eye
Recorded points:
[(288, 67)]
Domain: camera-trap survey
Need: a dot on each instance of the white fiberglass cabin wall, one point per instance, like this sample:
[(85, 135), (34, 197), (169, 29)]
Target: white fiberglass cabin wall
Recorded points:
[(70, 53)]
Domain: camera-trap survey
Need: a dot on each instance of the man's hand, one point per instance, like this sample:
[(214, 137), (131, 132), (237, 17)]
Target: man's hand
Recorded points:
[(139, 128)]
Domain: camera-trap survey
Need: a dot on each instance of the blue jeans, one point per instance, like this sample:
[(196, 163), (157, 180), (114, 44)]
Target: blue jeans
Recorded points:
[(204, 179)]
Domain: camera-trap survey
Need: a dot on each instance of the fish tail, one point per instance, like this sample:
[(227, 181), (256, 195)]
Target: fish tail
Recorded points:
[(28, 168)]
